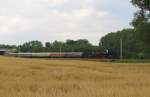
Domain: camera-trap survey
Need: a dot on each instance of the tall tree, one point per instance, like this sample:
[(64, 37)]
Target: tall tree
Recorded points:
[(141, 23), (47, 44), (142, 4), (32, 46)]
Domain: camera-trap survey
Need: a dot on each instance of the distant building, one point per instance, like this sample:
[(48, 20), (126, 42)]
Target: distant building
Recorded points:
[(4, 51)]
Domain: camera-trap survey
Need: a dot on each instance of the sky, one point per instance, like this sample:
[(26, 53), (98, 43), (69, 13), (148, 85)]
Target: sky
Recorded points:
[(49, 20)]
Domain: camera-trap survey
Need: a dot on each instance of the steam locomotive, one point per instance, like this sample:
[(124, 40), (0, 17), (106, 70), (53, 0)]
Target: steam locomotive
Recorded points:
[(62, 55)]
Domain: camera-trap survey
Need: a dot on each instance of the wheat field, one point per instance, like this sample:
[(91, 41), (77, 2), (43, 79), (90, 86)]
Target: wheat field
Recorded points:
[(72, 78)]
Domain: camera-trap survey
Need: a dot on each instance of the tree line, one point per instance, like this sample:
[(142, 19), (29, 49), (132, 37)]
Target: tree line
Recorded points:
[(81, 45)]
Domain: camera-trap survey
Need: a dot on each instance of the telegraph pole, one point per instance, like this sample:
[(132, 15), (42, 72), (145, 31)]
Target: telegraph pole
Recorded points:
[(19, 51), (121, 55)]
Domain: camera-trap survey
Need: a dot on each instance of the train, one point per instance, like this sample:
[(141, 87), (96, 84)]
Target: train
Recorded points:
[(62, 55)]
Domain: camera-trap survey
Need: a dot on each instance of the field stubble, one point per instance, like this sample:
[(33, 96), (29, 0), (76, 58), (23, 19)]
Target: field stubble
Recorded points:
[(72, 78)]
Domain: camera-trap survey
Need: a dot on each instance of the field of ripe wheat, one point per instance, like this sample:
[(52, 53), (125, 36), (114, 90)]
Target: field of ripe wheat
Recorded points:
[(72, 78)]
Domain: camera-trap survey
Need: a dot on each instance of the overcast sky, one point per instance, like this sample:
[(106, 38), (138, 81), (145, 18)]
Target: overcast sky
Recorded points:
[(49, 20)]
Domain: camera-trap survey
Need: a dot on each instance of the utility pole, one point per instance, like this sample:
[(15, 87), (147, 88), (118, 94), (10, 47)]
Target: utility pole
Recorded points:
[(19, 51), (121, 56)]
